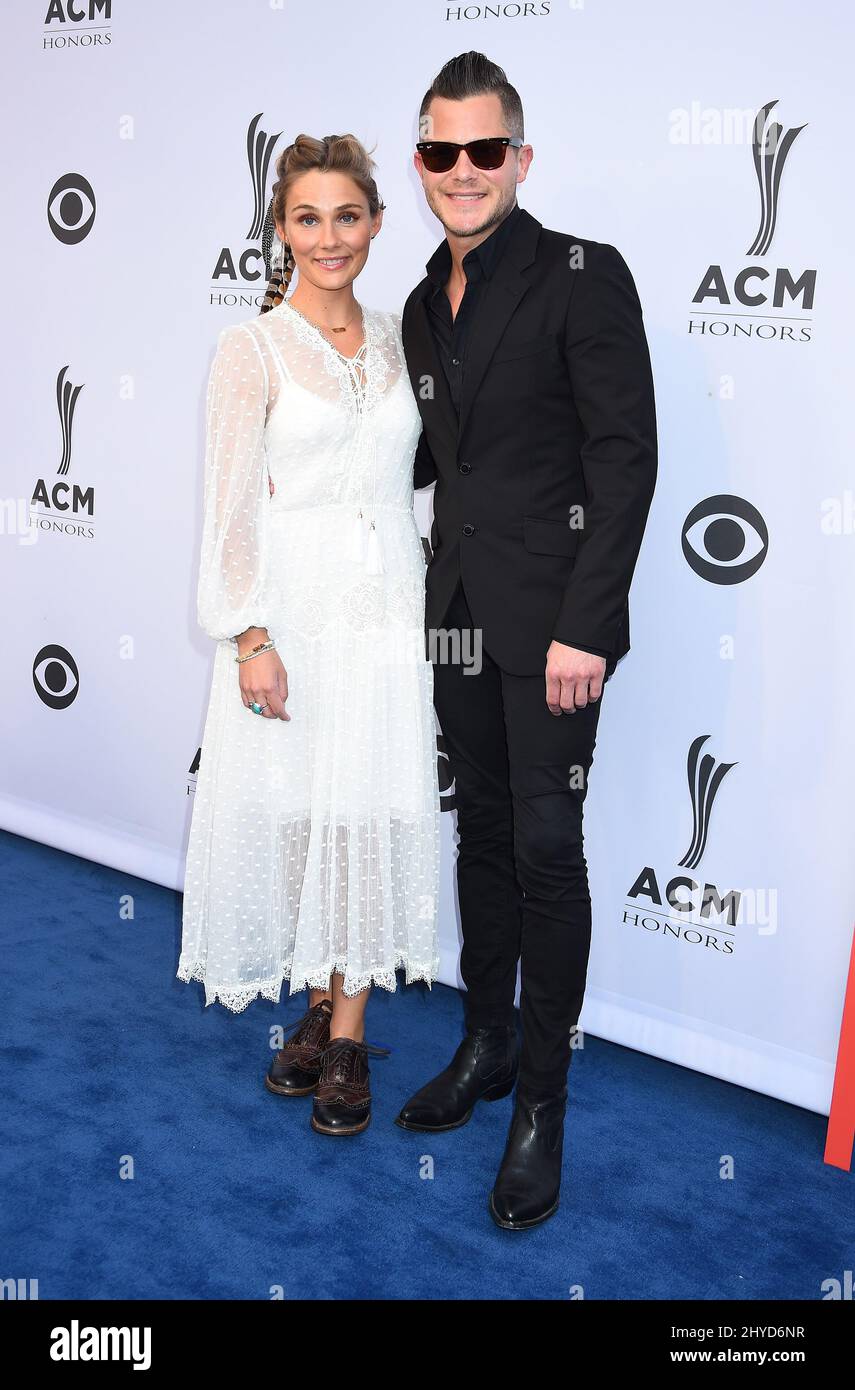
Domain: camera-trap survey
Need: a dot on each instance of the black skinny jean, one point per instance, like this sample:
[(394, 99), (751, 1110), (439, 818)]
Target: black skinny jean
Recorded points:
[(520, 775)]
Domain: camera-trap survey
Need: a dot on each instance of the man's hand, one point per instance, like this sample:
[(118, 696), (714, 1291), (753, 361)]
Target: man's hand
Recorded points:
[(573, 677)]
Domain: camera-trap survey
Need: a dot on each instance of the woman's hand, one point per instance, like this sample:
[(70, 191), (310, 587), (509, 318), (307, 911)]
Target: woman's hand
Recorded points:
[(264, 681)]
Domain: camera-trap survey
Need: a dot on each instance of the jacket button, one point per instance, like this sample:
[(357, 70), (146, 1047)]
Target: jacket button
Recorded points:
[(469, 529), (465, 467)]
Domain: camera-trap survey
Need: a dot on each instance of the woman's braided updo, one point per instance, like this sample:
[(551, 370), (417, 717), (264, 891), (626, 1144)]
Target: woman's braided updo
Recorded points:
[(342, 154)]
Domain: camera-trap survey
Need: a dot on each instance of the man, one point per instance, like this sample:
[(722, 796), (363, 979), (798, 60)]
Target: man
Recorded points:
[(527, 354)]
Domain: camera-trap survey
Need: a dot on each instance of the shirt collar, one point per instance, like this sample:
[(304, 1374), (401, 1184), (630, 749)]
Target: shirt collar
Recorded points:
[(487, 252)]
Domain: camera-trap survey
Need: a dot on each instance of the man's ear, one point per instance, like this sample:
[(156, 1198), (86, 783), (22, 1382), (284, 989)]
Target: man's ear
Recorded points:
[(524, 164)]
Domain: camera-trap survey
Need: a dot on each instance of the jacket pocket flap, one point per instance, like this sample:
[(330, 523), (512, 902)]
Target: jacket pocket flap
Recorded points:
[(549, 537), (508, 351)]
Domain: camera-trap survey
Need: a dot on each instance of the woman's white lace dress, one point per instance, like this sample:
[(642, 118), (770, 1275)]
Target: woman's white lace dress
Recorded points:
[(314, 843)]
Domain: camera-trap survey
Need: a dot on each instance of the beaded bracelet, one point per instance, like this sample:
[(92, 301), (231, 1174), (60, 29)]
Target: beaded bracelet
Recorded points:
[(262, 647)]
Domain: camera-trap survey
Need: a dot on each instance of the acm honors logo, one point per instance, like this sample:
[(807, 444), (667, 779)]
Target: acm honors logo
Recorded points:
[(241, 271), (758, 300), (60, 504), (70, 25), (684, 907)]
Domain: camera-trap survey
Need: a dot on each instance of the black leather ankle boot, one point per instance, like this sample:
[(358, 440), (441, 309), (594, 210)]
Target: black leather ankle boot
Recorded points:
[(484, 1067), (526, 1188)]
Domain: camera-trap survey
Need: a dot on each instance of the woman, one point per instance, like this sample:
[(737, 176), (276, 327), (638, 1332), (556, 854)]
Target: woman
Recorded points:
[(314, 845)]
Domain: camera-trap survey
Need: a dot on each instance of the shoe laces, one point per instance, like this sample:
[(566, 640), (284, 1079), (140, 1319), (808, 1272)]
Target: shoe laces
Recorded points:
[(344, 1059), (310, 1028)]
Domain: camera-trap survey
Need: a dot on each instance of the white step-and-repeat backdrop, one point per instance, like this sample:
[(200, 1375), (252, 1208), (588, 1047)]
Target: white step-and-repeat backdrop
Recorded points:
[(708, 143)]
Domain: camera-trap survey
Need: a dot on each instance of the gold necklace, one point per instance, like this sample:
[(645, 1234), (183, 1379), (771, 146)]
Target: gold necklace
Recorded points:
[(322, 328)]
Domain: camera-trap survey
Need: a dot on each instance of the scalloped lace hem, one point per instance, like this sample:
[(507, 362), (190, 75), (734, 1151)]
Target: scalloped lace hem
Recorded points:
[(237, 999)]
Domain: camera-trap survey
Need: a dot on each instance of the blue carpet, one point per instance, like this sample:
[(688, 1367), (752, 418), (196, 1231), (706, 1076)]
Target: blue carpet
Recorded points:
[(107, 1055)]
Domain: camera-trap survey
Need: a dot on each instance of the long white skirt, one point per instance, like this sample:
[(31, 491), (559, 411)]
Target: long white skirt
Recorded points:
[(314, 842)]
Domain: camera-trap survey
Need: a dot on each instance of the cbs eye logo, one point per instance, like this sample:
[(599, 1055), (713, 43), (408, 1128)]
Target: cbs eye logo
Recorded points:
[(725, 539), (71, 209), (56, 677)]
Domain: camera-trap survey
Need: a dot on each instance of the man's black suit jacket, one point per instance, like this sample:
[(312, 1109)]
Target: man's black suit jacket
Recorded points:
[(544, 483)]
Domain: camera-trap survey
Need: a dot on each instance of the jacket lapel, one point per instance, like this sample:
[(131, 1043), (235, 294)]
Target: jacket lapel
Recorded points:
[(502, 294), (423, 363)]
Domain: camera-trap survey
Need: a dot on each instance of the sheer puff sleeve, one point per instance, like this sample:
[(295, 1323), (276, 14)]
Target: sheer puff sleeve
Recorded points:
[(231, 591)]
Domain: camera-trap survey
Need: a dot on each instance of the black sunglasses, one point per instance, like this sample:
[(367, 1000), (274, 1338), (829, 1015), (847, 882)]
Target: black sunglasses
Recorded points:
[(441, 155)]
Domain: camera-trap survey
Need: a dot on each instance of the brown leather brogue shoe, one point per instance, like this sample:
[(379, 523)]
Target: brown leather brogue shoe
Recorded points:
[(296, 1067), (342, 1100)]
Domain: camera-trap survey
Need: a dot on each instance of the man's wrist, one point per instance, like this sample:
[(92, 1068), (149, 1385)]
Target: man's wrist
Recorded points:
[(581, 647)]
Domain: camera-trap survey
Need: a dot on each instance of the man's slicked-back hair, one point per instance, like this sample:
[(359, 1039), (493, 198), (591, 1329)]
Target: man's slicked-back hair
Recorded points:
[(473, 75)]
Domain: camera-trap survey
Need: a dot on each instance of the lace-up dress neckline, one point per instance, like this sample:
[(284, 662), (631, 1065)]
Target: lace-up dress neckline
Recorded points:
[(360, 351)]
